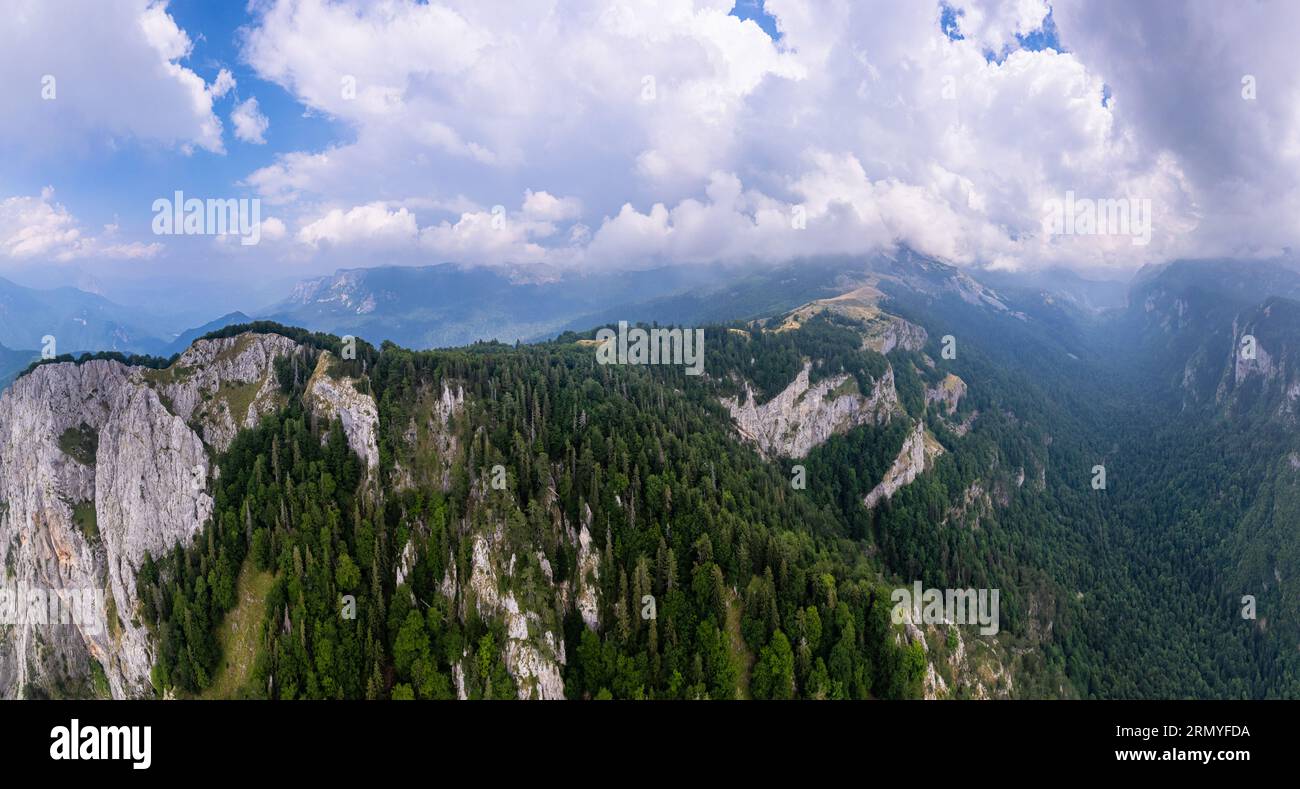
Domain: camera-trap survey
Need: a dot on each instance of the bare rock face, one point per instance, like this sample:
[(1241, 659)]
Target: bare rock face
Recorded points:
[(338, 398), (894, 332), (802, 416), (588, 576), (99, 463), (224, 385), (919, 449), (1273, 367), (68, 524), (1262, 365), (446, 444), (533, 662), (949, 392)]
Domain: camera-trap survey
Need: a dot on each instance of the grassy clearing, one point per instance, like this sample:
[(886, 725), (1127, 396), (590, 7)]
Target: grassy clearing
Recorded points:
[(80, 443), (240, 634), (83, 514), (849, 386), (238, 398), (744, 658)]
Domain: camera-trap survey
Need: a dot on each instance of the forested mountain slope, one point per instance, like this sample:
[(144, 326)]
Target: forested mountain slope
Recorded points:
[(524, 522)]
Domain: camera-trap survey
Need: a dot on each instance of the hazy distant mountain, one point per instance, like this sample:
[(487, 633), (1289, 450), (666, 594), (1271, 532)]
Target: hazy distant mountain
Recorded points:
[(76, 319), (1089, 294), (187, 337), (13, 362), (1231, 281), (444, 305)]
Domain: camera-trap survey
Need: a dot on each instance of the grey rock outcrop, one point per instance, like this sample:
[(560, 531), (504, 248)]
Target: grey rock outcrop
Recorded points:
[(919, 448), (533, 662), (338, 398), (68, 525), (224, 385), (804, 416), (588, 577), (893, 332), (947, 392)]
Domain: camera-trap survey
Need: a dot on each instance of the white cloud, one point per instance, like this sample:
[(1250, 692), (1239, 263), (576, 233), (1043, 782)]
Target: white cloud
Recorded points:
[(114, 69), (134, 250), (273, 229), (993, 24), (546, 207), (678, 133), (36, 228), (32, 226), (445, 92), (223, 84), (250, 123), (372, 223)]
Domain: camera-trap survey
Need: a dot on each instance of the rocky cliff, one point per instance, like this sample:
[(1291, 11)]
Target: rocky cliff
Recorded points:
[(101, 462), (338, 398), (224, 385), (94, 471), (803, 416), (919, 449)]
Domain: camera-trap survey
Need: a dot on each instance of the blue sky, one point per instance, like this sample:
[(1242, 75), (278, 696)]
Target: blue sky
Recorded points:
[(754, 11)]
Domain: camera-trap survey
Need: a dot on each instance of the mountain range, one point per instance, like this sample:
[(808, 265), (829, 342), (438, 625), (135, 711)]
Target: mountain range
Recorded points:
[(527, 522), (446, 305)]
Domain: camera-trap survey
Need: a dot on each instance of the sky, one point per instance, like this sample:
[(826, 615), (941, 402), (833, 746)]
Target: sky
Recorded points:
[(547, 136)]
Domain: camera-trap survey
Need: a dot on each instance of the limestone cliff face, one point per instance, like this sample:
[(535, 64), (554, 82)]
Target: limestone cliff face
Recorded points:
[(224, 385), (85, 522), (803, 416), (975, 666), (505, 579), (533, 654), (890, 332), (947, 392), (338, 398), (588, 576), (101, 462), (1261, 368), (509, 586), (919, 449)]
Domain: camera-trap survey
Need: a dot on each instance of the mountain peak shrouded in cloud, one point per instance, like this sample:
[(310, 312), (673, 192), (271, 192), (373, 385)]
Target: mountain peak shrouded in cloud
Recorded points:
[(641, 134)]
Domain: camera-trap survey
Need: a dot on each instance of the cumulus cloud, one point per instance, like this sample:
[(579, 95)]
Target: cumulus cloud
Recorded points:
[(372, 223), (667, 131), (681, 133), (37, 228), (250, 123), (31, 226), (57, 96), (273, 229), (223, 84), (1217, 97), (483, 96), (549, 208)]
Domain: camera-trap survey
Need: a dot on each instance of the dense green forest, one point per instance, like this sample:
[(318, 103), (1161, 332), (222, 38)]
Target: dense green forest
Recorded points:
[(757, 591)]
